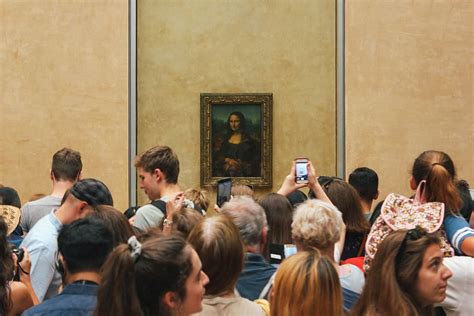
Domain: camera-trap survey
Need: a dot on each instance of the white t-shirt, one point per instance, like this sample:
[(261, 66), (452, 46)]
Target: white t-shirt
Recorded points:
[(459, 293)]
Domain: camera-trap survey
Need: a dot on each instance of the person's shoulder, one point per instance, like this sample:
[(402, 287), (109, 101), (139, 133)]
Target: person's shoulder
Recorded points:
[(47, 201), (20, 297)]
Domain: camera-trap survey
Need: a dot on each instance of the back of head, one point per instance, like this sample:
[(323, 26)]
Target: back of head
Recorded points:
[(217, 240), (248, 216), (241, 190), (437, 168), (137, 275), (66, 165), (316, 225), (366, 183), (390, 285), (92, 191), (199, 198), (185, 220), (279, 214), (306, 284), (115, 221), (9, 196), (346, 199), (85, 244), (160, 157)]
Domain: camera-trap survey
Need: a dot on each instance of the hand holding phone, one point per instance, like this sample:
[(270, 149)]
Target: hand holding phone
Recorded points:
[(301, 170)]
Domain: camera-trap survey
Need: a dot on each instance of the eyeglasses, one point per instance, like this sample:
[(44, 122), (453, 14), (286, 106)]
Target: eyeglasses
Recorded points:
[(325, 181), (411, 235)]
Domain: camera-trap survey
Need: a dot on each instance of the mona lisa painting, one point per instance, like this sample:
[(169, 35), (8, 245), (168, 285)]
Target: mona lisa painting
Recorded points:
[(236, 133)]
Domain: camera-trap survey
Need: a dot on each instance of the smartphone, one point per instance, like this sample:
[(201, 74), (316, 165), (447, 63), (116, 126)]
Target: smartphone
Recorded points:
[(223, 191), (278, 252), (301, 172)]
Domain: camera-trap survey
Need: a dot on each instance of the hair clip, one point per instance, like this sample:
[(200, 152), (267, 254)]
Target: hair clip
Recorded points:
[(135, 247)]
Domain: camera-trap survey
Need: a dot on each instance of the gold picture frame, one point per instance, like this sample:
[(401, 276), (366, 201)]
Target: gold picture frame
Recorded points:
[(236, 138)]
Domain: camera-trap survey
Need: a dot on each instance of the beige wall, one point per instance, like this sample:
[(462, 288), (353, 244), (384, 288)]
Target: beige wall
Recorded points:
[(284, 47), (64, 82), (409, 86)]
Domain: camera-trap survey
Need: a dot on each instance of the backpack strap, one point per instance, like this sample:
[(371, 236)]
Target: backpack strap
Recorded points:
[(267, 287), (161, 205)]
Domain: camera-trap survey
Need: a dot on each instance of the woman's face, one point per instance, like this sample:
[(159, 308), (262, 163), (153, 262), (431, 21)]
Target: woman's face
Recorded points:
[(432, 277), (195, 290), (234, 122)]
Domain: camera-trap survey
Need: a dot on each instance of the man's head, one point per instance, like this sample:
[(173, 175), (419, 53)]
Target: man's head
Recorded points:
[(84, 245), (366, 182), (157, 166), (250, 219), (66, 165), (80, 200)]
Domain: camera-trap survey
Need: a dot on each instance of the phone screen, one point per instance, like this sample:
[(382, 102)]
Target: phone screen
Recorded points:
[(278, 252), (302, 171), (223, 191)]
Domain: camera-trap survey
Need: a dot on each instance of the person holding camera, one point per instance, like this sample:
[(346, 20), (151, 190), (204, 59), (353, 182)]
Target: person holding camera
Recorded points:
[(15, 296)]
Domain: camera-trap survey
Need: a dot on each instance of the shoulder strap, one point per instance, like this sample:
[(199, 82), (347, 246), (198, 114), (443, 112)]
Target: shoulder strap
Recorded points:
[(161, 205), (267, 287)]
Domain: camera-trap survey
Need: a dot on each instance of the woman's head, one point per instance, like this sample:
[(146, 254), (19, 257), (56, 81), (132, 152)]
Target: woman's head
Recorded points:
[(437, 168), (316, 225), (306, 284), (279, 214), (199, 198), (217, 240), (346, 199), (158, 275), (236, 122), (116, 221), (408, 271), (185, 220)]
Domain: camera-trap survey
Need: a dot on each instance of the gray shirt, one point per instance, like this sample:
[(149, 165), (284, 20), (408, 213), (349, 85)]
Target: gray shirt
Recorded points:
[(33, 211), (42, 245), (150, 216)]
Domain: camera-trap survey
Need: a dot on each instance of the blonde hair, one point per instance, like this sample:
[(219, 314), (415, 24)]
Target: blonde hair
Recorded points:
[(199, 198), (306, 284), (317, 224)]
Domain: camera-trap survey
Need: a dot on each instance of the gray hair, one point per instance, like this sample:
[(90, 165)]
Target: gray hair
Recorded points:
[(248, 216), (317, 224)]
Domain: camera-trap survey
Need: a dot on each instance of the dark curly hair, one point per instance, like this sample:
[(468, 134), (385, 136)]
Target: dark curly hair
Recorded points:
[(6, 269)]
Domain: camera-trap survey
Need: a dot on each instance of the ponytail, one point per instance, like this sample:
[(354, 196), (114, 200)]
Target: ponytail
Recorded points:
[(441, 188), (117, 292)]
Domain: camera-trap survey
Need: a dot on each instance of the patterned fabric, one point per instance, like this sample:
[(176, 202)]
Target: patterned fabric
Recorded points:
[(92, 191), (402, 213)]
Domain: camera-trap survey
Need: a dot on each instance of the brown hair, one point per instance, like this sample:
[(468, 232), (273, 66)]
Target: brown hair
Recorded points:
[(390, 285), (199, 198), (160, 157), (66, 165), (240, 189), (185, 220), (6, 269), (279, 214), (437, 168), (306, 284), (217, 239), (136, 287), (346, 199), (115, 221)]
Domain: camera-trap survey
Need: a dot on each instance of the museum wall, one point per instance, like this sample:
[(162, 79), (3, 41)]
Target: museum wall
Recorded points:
[(283, 47), (64, 82), (409, 67)]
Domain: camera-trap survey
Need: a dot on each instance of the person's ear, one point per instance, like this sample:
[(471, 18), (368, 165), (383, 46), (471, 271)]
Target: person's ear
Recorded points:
[(413, 185), (264, 236), (82, 209), (170, 300), (51, 175), (158, 174), (79, 176), (377, 195)]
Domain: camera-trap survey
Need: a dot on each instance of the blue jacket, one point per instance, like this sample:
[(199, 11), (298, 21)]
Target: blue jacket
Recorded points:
[(77, 299)]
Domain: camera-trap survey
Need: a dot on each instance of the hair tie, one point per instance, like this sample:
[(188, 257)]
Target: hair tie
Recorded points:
[(135, 247)]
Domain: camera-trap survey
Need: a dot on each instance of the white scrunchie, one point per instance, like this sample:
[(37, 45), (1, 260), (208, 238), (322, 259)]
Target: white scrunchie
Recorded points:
[(135, 247)]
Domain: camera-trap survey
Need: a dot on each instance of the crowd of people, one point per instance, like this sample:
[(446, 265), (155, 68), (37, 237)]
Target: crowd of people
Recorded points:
[(329, 251)]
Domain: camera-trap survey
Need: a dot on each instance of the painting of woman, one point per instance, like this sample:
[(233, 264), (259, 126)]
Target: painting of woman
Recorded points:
[(235, 152)]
